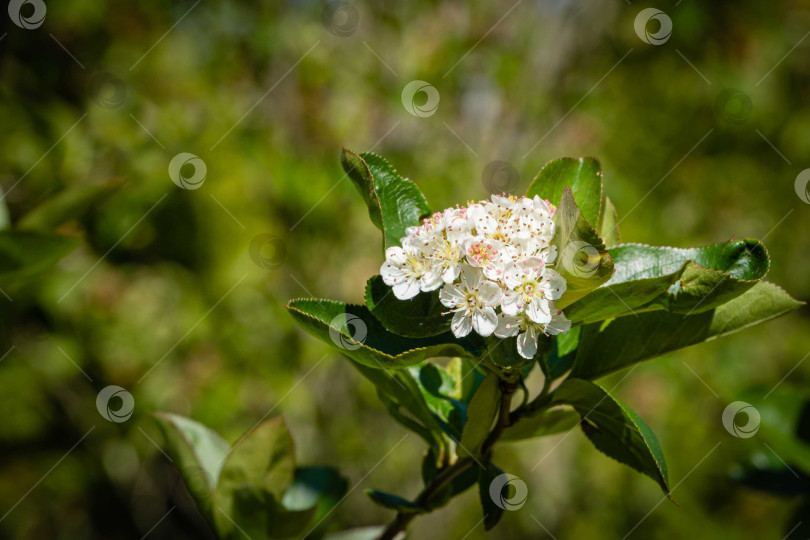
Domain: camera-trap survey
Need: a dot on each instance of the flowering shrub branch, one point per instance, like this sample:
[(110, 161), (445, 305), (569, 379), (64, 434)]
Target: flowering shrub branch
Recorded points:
[(468, 301)]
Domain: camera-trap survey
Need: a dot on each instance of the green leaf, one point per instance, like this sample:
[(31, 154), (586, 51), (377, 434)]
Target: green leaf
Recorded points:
[(24, 254), (617, 343), (377, 353), (198, 453), (679, 280), (363, 533), (394, 502), (783, 421), (253, 512), (68, 204), (582, 175), (467, 377), (481, 413), (318, 487), (542, 423), (608, 224), (375, 346), (436, 386), (421, 316), (614, 429), (503, 353), (5, 219), (492, 512), (256, 473), (582, 258), (563, 352), (407, 406), (394, 203)]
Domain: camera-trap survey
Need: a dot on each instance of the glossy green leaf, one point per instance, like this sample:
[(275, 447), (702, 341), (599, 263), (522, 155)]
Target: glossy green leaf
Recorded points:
[(24, 254), (421, 316), (436, 386), (467, 377), (70, 203), (679, 280), (338, 324), (198, 453), (608, 224), (546, 422), (377, 353), (583, 176), (582, 258), (255, 473), (614, 429), (408, 407), (394, 203), (617, 343), (481, 413), (563, 352), (394, 502), (492, 512)]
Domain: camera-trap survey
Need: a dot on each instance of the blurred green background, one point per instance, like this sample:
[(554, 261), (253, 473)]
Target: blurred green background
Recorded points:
[(165, 298)]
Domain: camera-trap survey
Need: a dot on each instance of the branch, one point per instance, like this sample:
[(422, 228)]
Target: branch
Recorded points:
[(443, 479)]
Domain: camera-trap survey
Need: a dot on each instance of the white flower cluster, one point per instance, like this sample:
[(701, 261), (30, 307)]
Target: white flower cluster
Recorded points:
[(486, 256)]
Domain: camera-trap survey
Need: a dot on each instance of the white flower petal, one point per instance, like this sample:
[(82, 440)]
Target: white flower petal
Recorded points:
[(396, 255), (391, 274), (470, 277), (531, 266), (461, 325), (451, 296), (538, 310), (489, 293), (555, 284), (527, 343), (559, 324), (511, 276), (407, 289), (432, 280), (510, 303), (451, 273), (551, 254), (507, 326), (484, 321)]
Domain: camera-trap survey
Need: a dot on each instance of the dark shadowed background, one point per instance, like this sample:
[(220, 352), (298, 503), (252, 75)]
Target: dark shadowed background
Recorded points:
[(177, 295)]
